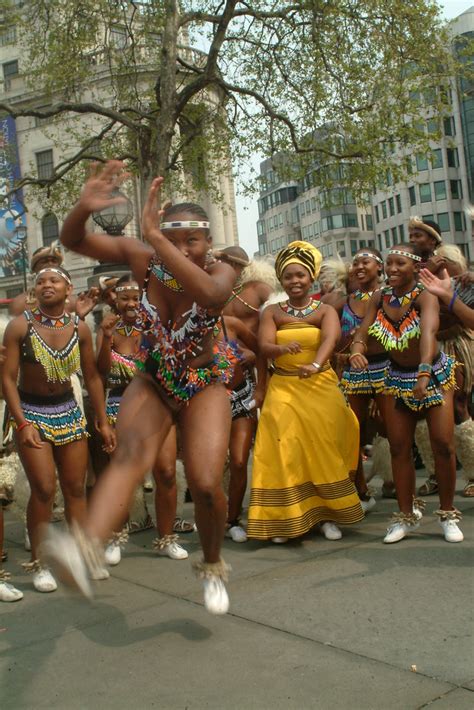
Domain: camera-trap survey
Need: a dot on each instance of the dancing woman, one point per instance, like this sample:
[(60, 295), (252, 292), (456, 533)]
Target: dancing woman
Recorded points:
[(308, 437), (46, 346), (183, 375), (403, 318)]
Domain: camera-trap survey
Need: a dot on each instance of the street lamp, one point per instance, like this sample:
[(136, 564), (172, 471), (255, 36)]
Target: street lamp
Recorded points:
[(20, 234), (114, 219)]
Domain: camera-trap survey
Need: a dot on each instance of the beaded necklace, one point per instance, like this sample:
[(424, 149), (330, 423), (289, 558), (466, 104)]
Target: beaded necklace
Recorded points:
[(58, 365), (53, 322), (399, 301), (359, 295), (160, 272), (396, 335), (129, 331), (300, 312)]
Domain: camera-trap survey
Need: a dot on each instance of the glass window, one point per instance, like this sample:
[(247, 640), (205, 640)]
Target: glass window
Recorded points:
[(377, 219), (324, 224), (432, 125), (458, 221), (118, 37), (398, 200), (351, 220), (425, 192), (369, 220), (384, 209), (362, 243), (337, 221), (428, 216), (394, 235), (10, 70), (49, 229), (437, 159), (302, 210), (453, 157), (387, 238), (412, 193), (391, 206), (456, 189), (401, 232), (440, 190), (45, 164), (379, 240), (314, 206), (443, 221), (353, 247), (8, 36), (421, 162), (341, 248), (308, 206)]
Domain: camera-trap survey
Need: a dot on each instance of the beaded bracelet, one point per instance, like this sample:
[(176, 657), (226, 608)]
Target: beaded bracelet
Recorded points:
[(425, 367), (353, 355), (316, 365), (361, 343), (23, 425), (451, 303), (419, 375)]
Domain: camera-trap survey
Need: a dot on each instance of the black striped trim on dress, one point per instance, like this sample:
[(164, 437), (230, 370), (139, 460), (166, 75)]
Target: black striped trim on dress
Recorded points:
[(296, 494), (295, 527)]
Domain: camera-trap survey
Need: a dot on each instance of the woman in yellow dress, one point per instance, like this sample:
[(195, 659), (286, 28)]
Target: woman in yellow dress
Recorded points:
[(307, 438)]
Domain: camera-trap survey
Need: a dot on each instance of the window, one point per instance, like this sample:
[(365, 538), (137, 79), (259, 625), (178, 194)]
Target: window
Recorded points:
[(440, 190), (458, 221), (394, 235), (428, 216), (398, 200), (379, 240), (362, 243), (384, 209), (421, 163), (49, 229), (369, 221), (453, 157), (341, 248), (391, 206), (377, 218), (456, 189), (432, 126), (308, 206), (425, 192), (8, 37), (412, 193), (302, 210), (353, 247), (443, 221), (337, 221), (387, 238), (401, 232), (314, 206), (351, 220), (449, 126), (437, 159), (118, 37), (10, 70), (44, 164)]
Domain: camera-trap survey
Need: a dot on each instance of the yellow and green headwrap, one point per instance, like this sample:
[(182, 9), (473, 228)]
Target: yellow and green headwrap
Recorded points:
[(302, 253)]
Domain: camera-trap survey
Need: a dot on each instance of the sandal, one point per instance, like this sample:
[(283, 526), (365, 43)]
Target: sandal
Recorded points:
[(468, 491), (428, 488), (183, 526)]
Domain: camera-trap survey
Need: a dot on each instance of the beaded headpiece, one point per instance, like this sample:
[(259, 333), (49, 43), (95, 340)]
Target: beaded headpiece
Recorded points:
[(190, 224), (131, 286), (369, 255), (51, 252), (49, 269), (417, 223), (408, 254)]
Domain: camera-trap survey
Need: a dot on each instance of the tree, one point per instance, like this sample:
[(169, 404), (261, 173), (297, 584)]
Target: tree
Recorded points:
[(173, 86)]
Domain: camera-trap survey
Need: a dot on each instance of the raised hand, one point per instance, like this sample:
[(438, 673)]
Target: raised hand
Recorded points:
[(152, 213), (97, 191), (439, 286), (108, 324), (86, 301)]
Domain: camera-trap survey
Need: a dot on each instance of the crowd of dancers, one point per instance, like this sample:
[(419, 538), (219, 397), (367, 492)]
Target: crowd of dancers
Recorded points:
[(193, 346)]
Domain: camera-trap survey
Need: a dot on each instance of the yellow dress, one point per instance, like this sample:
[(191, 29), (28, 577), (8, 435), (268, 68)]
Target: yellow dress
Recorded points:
[(307, 443)]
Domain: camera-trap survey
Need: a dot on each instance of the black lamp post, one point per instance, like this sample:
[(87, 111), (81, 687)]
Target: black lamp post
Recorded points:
[(20, 233), (114, 219)]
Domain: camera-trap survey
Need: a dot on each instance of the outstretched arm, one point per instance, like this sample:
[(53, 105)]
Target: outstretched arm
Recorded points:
[(442, 288)]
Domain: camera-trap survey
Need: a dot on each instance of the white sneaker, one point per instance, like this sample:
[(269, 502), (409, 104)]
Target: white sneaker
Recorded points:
[(61, 551), (331, 531), (397, 531), (279, 540), (27, 541), (99, 573), (236, 533), (8, 593), (451, 531), (43, 581), (418, 508), (216, 599), (368, 505), (173, 551), (113, 554)]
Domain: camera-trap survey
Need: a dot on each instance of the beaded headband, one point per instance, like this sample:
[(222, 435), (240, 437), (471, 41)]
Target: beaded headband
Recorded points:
[(408, 254), (50, 269), (184, 225), (130, 287), (370, 255)]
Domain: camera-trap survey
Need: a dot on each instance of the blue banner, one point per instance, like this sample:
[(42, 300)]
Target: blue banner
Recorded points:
[(13, 252)]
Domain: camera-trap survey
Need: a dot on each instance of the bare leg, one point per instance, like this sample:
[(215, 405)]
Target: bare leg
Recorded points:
[(205, 427), (40, 469), (164, 473), (142, 426), (401, 425), (241, 434), (441, 427), (71, 460), (360, 407)]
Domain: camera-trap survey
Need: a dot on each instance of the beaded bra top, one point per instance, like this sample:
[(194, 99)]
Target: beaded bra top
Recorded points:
[(396, 335), (349, 320), (59, 365)]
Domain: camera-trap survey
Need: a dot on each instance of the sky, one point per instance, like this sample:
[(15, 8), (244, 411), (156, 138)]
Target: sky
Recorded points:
[(247, 212)]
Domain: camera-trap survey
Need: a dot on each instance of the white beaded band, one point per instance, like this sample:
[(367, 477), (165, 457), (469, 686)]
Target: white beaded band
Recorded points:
[(408, 254), (130, 287), (368, 254), (50, 269), (192, 224)]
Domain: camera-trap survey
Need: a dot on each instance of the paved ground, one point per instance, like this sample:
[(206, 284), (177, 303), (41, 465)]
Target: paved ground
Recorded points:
[(313, 624)]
